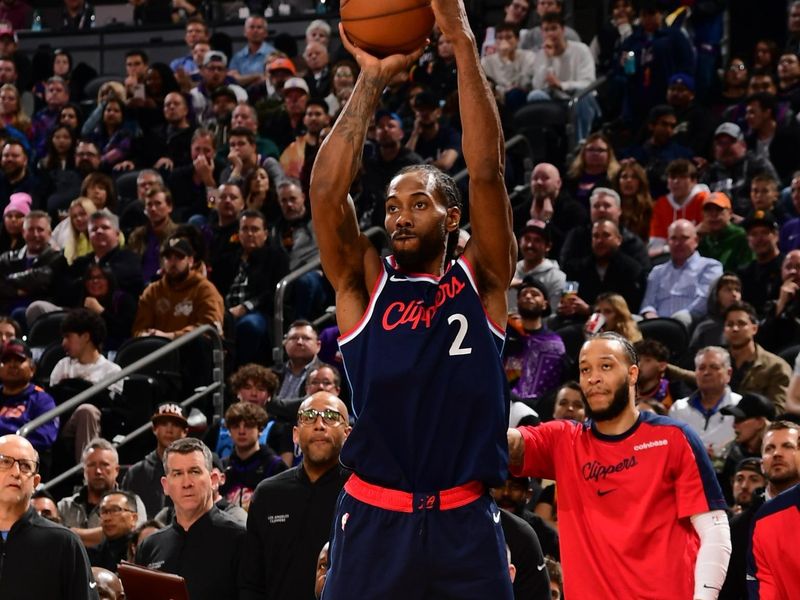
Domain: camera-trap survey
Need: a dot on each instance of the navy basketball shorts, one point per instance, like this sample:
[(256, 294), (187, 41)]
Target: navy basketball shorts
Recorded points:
[(390, 544)]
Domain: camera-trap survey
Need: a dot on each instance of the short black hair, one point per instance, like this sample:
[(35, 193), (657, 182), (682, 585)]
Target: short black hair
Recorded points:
[(318, 101), (83, 320), (507, 27), (741, 307), (658, 111), (613, 336), (652, 348), (44, 494), (554, 17), (130, 498), (243, 132), (765, 100), (251, 213), (570, 385), (142, 53)]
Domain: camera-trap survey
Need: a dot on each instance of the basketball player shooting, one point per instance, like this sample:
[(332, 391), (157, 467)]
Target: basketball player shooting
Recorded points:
[(421, 341)]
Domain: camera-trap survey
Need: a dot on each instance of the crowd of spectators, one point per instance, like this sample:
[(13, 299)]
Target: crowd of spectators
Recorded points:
[(178, 197)]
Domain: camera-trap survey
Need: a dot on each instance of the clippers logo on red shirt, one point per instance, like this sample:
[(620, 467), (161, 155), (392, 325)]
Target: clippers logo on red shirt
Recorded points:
[(415, 313), (594, 471)]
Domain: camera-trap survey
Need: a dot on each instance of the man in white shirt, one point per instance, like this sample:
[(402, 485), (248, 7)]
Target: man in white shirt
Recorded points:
[(83, 333), (702, 411), (562, 68), (510, 68), (532, 39)]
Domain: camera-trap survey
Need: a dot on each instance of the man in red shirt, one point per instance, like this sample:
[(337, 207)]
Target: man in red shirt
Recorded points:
[(773, 560), (640, 512)]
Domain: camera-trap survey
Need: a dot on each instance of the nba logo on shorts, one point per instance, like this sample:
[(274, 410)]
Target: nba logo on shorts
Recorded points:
[(345, 516)]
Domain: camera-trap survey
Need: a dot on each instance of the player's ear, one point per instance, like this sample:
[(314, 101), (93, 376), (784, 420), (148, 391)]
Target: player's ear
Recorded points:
[(453, 218), (633, 374)]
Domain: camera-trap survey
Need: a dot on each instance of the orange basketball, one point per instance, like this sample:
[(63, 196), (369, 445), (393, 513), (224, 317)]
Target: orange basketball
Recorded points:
[(384, 27)]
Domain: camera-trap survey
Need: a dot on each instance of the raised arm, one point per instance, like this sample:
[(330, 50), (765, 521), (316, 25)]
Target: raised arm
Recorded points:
[(348, 258), (492, 249)]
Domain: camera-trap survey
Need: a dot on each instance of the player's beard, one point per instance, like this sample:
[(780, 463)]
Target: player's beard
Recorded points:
[(430, 246), (618, 404)]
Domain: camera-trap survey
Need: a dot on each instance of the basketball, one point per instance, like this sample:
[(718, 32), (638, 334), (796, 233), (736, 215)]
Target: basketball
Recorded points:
[(385, 27)]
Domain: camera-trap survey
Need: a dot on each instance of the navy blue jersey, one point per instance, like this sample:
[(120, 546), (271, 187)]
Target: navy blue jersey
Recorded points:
[(429, 390)]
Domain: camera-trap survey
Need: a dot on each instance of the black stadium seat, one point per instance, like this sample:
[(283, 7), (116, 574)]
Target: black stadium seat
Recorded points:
[(47, 362), (671, 333), (46, 329)]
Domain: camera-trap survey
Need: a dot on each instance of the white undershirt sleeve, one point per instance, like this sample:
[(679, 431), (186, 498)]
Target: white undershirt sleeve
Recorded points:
[(713, 555)]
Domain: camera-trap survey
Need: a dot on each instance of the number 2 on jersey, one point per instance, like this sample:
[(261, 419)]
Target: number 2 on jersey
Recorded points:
[(456, 349)]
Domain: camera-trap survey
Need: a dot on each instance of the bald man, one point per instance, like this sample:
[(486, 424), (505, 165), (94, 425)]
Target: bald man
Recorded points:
[(108, 584), (290, 514), (679, 287), (549, 204), (26, 537)]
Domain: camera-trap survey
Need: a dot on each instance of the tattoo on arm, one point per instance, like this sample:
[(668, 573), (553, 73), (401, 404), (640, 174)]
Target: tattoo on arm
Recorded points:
[(353, 123)]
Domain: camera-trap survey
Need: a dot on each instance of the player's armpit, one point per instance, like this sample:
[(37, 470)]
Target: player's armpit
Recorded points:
[(714, 554)]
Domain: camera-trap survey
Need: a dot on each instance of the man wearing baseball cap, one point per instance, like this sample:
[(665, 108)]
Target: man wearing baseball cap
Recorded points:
[(22, 401), (144, 477), (391, 156), (213, 75), (695, 126), (719, 238), (751, 417), (734, 167), (748, 483), (533, 355), (284, 119), (182, 300), (535, 242), (436, 142), (761, 279)]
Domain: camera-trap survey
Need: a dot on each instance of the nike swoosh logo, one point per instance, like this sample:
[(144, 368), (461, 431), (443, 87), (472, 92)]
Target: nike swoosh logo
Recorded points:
[(541, 567), (92, 585), (709, 587), (395, 278), (604, 492), (496, 516)]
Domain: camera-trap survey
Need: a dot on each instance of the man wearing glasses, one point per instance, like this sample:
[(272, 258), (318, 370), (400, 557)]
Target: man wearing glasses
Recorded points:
[(118, 514), (290, 514), (40, 559)]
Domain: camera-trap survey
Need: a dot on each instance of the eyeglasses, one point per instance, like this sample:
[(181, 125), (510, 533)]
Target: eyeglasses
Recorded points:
[(26, 465), (737, 67), (113, 510), (596, 150), (329, 416)]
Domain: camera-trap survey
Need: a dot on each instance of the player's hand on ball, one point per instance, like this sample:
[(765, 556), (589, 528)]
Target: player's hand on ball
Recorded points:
[(387, 67)]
